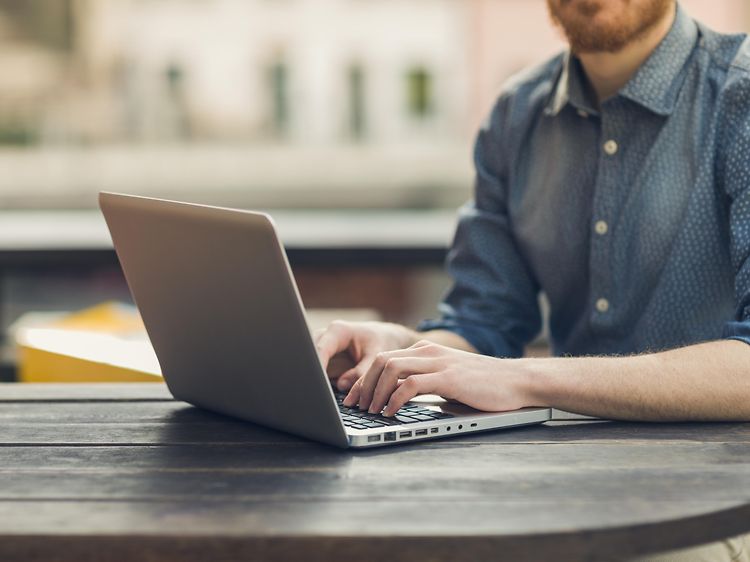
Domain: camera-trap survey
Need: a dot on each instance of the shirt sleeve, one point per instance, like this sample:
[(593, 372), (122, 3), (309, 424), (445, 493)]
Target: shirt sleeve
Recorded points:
[(493, 302), (736, 173)]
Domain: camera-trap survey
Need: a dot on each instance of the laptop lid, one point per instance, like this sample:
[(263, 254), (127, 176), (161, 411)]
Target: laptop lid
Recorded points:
[(223, 313)]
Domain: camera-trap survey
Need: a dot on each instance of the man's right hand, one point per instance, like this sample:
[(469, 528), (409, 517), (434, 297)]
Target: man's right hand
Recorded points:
[(347, 349)]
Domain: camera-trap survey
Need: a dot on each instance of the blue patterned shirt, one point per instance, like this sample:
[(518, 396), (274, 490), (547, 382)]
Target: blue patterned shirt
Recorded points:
[(632, 217)]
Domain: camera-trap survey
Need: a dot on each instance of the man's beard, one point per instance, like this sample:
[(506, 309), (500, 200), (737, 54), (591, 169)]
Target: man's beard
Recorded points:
[(611, 36)]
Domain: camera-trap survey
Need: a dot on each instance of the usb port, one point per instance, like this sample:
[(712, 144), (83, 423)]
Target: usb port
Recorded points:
[(404, 434), (420, 432), (390, 436), (373, 438), (434, 430)]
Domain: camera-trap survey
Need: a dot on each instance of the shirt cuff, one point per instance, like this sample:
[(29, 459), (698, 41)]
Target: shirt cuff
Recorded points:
[(737, 331), (484, 339)]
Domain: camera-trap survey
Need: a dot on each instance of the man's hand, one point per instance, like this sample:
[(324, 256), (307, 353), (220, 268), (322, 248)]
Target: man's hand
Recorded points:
[(395, 377), (701, 382), (348, 349)]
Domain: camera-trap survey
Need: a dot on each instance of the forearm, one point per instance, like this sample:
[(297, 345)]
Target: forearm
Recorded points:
[(709, 381), (446, 338)]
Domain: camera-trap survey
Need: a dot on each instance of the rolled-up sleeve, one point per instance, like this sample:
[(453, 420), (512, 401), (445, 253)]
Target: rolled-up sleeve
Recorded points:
[(493, 300), (736, 174)]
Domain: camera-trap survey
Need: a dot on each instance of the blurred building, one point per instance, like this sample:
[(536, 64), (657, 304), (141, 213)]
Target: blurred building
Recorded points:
[(32, 72), (294, 100), (300, 71), (306, 103)]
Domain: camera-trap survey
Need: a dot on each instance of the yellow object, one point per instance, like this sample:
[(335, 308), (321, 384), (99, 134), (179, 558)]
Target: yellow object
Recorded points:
[(106, 343)]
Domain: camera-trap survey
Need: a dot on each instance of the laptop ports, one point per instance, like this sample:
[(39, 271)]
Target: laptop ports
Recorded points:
[(404, 434), (419, 432), (373, 438), (390, 436)]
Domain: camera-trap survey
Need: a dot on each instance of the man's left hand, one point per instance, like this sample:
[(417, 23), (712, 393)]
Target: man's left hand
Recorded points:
[(395, 377)]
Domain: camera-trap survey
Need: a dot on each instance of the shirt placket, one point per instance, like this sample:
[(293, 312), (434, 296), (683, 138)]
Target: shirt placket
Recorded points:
[(602, 300)]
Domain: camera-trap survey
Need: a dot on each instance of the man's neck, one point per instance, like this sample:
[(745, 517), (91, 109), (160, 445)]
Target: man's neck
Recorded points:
[(609, 72)]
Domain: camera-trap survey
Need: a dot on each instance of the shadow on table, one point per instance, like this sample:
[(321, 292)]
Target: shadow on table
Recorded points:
[(202, 460), (196, 426), (191, 425)]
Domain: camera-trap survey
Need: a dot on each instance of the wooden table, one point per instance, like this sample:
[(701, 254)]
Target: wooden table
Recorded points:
[(122, 472)]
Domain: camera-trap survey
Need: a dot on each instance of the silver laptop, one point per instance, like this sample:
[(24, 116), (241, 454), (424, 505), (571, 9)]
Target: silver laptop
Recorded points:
[(227, 323)]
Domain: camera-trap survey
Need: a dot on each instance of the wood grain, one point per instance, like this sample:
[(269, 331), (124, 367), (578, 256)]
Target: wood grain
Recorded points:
[(122, 472)]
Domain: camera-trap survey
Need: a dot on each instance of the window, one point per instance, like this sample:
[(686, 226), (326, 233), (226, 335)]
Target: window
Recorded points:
[(176, 116), (419, 93), (357, 102), (278, 84)]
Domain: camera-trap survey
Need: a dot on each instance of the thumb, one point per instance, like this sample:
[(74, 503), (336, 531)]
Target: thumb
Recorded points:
[(348, 378), (334, 340)]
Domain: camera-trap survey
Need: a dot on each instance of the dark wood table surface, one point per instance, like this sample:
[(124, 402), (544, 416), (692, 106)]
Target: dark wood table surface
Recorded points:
[(122, 472)]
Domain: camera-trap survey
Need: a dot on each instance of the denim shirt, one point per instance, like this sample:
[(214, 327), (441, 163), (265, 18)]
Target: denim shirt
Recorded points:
[(633, 216)]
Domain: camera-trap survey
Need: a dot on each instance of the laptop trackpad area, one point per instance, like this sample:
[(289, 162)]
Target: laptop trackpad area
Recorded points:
[(439, 404)]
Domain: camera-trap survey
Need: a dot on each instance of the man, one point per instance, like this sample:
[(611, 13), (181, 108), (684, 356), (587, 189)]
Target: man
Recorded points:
[(616, 179)]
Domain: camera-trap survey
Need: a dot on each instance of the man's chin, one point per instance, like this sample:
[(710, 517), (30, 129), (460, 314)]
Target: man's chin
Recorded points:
[(594, 26), (609, 43)]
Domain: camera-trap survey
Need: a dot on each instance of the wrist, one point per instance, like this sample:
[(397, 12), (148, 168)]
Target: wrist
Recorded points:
[(538, 379), (406, 337)]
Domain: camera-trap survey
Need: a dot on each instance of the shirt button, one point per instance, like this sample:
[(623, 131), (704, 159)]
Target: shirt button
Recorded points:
[(582, 113), (610, 147), (602, 305), (601, 227)]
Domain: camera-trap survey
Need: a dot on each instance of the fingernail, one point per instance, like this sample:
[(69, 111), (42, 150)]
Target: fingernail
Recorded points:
[(372, 410)]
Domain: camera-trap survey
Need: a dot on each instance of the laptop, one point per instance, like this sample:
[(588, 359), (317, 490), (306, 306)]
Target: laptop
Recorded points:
[(226, 321)]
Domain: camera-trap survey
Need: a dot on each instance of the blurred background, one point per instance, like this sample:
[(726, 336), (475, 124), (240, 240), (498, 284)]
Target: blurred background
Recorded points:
[(354, 113)]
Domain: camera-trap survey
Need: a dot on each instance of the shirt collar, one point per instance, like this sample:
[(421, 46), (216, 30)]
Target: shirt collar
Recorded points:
[(571, 89), (655, 85)]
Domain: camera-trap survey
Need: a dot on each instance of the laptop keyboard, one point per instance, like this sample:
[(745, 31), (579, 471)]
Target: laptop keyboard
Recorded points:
[(410, 413)]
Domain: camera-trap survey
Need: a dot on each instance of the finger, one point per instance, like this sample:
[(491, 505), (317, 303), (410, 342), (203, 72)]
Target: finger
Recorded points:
[(427, 383), (370, 380), (340, 364), (335, 339), (347, 380), (350, 376), (353, 397), (429, 348), (395, 369)]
